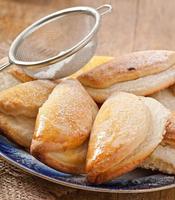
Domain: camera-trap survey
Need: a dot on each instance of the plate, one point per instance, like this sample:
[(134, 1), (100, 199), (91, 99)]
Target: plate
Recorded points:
[(139, 180)]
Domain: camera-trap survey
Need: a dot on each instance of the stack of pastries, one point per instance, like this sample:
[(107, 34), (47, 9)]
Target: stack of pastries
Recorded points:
[(112, 116)]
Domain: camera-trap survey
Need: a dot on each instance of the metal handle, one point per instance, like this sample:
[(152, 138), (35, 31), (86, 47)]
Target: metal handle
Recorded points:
[(104, 9), (4, 63)]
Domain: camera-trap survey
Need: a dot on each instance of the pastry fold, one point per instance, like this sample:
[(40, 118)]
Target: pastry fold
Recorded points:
[(19, 107), (167, 98), (141, 73), (162, 158), (63, 126), (20, 74), (126, 131)]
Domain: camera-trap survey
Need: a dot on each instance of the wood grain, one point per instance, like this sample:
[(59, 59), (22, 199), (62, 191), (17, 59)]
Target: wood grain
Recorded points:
[(133, 25), (155, 25), (117, 29)]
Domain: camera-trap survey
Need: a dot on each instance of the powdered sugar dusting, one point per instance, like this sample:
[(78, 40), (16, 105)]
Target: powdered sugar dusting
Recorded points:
[(70, 111)]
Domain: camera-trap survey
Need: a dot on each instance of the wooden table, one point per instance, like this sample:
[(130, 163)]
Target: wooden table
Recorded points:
[(133, 25)]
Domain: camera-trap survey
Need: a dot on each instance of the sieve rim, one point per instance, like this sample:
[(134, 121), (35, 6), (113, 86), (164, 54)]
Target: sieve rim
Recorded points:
[(65, 53)]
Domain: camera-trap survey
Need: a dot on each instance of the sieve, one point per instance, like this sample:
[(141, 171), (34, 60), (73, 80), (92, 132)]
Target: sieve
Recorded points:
[(59, 44)]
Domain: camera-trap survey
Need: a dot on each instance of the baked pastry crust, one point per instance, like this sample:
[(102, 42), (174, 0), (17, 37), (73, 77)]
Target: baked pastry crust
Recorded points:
[(63, 146), (143, 86), (126, 131), (25, 98), (161, 159), (19, 129), (148, 145), (167, 98), (19, 107), (63, 126), (128, 67), (169, 138), (20, 74)]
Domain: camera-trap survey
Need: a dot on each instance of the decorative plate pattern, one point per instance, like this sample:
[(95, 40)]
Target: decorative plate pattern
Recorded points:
[(139, 180)]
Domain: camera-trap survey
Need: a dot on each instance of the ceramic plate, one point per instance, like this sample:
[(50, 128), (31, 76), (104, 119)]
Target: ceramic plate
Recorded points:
[(137, 181)]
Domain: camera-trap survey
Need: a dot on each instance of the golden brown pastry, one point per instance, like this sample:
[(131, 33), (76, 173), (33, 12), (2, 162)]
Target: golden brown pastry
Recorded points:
[(20, 74), (169, 138), (143, 86), (63, 126), (126, 131), (19, 107), (141, 73), (7, 81), (161, 159), (167, 98), (95, 62), (150, 143), (128, 67)]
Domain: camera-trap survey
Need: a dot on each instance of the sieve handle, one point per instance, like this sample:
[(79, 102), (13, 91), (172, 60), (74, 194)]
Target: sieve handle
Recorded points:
[(104, 9), (4, 63)]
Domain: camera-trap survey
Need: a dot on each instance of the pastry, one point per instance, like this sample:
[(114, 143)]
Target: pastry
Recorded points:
[(126, 131), (92, 64), (141, 73), (19, 107), (7, 81), (20, 74), (161, 159), (142, 86), (65, 120), (167, 98), (63, 126), (128, 67), (169, 138)]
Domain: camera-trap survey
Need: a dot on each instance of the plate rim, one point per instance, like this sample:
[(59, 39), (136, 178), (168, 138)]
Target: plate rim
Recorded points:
[(82, 187)]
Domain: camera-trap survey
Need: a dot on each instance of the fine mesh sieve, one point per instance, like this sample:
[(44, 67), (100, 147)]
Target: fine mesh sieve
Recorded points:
[(58, 44)]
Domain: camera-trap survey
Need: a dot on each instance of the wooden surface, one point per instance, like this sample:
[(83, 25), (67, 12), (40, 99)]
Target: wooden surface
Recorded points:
[(133, 25)]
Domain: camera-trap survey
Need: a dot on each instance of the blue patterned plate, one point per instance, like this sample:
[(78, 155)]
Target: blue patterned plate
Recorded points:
[(137, 181)]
